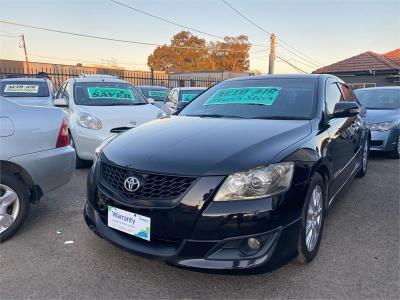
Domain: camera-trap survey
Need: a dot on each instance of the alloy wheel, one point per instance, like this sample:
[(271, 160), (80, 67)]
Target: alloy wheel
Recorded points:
[(9, 207), (365, 156), (314, 218), (398, 145)]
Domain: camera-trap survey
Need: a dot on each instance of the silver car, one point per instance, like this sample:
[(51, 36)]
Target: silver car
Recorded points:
[(35, 157), (28, 91), (383, 117)]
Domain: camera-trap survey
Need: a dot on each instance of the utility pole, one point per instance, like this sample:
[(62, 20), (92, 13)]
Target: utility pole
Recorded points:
[(26, 53), (272, 54)]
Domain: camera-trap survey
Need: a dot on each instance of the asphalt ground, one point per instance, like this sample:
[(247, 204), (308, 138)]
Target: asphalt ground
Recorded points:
[(358, 257)]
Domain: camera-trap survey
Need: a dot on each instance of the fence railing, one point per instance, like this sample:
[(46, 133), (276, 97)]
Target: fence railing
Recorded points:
[(136, 78)]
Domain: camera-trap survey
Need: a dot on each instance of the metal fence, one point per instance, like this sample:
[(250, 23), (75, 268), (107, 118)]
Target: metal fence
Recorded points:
[(136, 78)]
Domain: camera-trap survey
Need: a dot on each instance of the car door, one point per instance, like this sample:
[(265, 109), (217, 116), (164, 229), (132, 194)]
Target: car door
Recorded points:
[(341, 131), (356, 130)]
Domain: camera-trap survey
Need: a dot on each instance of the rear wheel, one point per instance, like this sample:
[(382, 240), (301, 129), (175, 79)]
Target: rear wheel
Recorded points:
[(14, 205), (364, 159), (313, 217), (395, 153), (79, 163)]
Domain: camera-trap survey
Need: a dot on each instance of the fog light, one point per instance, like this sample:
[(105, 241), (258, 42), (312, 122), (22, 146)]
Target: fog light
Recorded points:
[(253, 244)]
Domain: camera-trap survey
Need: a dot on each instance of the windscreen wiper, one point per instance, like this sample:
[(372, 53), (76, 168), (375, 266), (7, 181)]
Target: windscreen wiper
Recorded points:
[(280, 118), (214, 116)]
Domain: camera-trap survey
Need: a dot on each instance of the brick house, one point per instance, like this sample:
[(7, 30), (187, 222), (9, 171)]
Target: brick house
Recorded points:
[(367, 69)]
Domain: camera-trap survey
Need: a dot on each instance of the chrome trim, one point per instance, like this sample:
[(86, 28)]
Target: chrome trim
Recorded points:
[(342, 169), (351, 175)]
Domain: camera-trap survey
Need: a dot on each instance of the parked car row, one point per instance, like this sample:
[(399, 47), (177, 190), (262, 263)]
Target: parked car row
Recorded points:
[(241, 176)]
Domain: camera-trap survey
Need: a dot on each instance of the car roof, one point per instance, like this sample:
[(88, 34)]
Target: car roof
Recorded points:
[(99, 79), (380, 88), (24, 79), (152, 86), (281, 76), (191, 88)]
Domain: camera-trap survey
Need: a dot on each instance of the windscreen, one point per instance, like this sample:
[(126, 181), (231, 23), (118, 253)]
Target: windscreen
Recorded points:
[(379, 98), (12, 89), (188, 95), (157, 93), (107, 94), (257, 98)]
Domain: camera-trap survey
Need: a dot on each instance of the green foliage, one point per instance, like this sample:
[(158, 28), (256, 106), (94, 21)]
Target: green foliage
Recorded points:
[(188, 52)]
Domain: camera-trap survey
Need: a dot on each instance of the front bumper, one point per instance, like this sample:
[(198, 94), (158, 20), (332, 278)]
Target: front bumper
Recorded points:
[(49, 169), (279, 245), (87, 140), (384, 140), (200, 233)]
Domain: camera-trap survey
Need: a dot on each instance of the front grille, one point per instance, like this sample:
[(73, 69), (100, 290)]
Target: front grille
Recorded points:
[(152, 186), (120, 129)]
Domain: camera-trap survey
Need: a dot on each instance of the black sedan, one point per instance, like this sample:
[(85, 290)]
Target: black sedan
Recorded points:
[(241, 178)]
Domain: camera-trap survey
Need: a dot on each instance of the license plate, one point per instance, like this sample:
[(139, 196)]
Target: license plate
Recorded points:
[(128, 222)]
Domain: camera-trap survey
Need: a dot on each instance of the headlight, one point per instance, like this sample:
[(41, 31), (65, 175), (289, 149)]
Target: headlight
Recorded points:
[(89, 121), (257, 183), (98, 150), (380, 126)]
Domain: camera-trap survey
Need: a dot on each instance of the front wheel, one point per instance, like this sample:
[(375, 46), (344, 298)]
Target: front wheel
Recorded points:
[(14, 205), (312, 221), (79, 163)]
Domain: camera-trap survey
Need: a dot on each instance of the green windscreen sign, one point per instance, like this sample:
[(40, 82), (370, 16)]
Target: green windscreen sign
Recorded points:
[(110, 93), (245, 95), (188, 97), (158, 94)]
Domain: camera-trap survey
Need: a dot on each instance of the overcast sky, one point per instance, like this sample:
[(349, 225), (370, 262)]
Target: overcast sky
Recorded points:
[(326, 31)]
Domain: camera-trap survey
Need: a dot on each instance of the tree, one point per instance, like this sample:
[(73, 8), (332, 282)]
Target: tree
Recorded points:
[(188, 52)]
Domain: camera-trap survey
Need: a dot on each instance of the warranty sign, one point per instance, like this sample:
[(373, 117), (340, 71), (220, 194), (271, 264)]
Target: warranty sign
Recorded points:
[(109, 93), (245, 95)]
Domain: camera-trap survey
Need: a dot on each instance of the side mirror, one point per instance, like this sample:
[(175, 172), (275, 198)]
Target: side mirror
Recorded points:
[(60, 102), (346, 109), (150, 100), (170, 105)]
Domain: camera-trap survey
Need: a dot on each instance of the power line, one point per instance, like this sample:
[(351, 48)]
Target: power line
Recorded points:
[(246, 18), (267, 32), (290, 51), (290, 64), (113, 39), (174, 23), (7, 35), (82, 60)]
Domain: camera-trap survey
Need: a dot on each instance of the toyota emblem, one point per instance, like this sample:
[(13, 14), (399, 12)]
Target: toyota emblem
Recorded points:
[(132, 184)]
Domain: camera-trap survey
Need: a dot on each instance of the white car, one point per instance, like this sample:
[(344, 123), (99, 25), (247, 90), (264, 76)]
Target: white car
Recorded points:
[(28, 91), (99, 107)]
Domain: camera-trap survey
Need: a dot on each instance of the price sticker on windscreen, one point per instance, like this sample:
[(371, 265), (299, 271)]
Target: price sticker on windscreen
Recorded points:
[(159, 94), (109, 93), (21, 88), (245, 95), (188, 97)]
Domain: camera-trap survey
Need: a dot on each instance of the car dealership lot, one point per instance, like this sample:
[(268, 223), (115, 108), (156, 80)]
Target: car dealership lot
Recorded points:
[(359, 254)]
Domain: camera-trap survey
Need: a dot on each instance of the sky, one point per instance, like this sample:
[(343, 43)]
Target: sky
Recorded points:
[(326, 31)]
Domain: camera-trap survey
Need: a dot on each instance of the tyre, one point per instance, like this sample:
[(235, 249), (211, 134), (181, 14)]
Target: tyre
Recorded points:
[(14, 205), (364, 159), (395, 153), (312, 220), (79, 163)]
